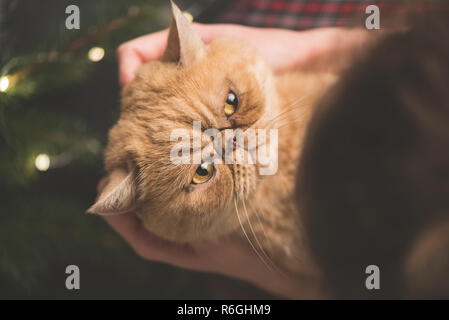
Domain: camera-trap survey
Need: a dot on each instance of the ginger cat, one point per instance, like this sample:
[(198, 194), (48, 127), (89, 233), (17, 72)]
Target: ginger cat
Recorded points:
[(225, 85)]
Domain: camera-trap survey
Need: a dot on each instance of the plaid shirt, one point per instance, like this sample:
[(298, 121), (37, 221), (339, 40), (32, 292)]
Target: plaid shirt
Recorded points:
[(294, 14)]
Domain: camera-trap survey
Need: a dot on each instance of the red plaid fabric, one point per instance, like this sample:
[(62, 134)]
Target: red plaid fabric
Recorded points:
[(294, 14)]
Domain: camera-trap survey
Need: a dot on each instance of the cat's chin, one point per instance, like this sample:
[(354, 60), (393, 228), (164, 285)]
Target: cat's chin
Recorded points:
[(167, 230)]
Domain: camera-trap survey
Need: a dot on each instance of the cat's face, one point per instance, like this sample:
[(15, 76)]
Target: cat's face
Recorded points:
[(225, 85)]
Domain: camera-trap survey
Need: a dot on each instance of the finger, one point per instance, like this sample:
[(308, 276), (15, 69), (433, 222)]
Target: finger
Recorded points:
[(134, 53), (213, 31), (150, 246), (129, 62), (101, 184)]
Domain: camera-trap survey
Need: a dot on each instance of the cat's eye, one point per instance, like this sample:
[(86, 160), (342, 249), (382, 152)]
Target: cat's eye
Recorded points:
[(231, 104), (203, 173)]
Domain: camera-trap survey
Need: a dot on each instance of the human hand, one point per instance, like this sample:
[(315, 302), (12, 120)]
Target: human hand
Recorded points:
[(230, 256), (282, 49)]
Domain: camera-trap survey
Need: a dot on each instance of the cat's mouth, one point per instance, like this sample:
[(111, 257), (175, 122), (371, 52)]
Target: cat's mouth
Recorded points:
[(245, 180)]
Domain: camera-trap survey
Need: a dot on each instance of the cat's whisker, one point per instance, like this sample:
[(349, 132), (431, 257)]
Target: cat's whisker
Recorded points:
[(270, 123), (297, 119), (246, 187), (289, 123), (242, 189), (255, 237), (246, 235), (279, 117), (292, 106), (259, 219)]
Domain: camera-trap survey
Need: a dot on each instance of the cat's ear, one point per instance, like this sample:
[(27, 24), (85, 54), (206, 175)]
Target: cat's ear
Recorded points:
[(184, 45), (118, 195)]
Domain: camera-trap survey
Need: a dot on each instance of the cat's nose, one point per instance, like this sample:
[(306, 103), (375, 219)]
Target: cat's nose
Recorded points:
[(228, 143)]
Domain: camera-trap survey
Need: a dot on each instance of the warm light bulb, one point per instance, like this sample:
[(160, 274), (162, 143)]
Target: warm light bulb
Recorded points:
[(96, 54), (4, 83), (188, 15), (42, 162)]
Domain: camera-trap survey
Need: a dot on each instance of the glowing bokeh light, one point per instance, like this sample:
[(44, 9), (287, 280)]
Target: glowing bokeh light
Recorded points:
[(4, 83), (42, 162), (188, 15), (96, 54)]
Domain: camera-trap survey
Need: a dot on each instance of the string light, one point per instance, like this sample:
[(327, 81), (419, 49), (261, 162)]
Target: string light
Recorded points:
[(42, 162), (188, 15), (4, 83), (96, 54)]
